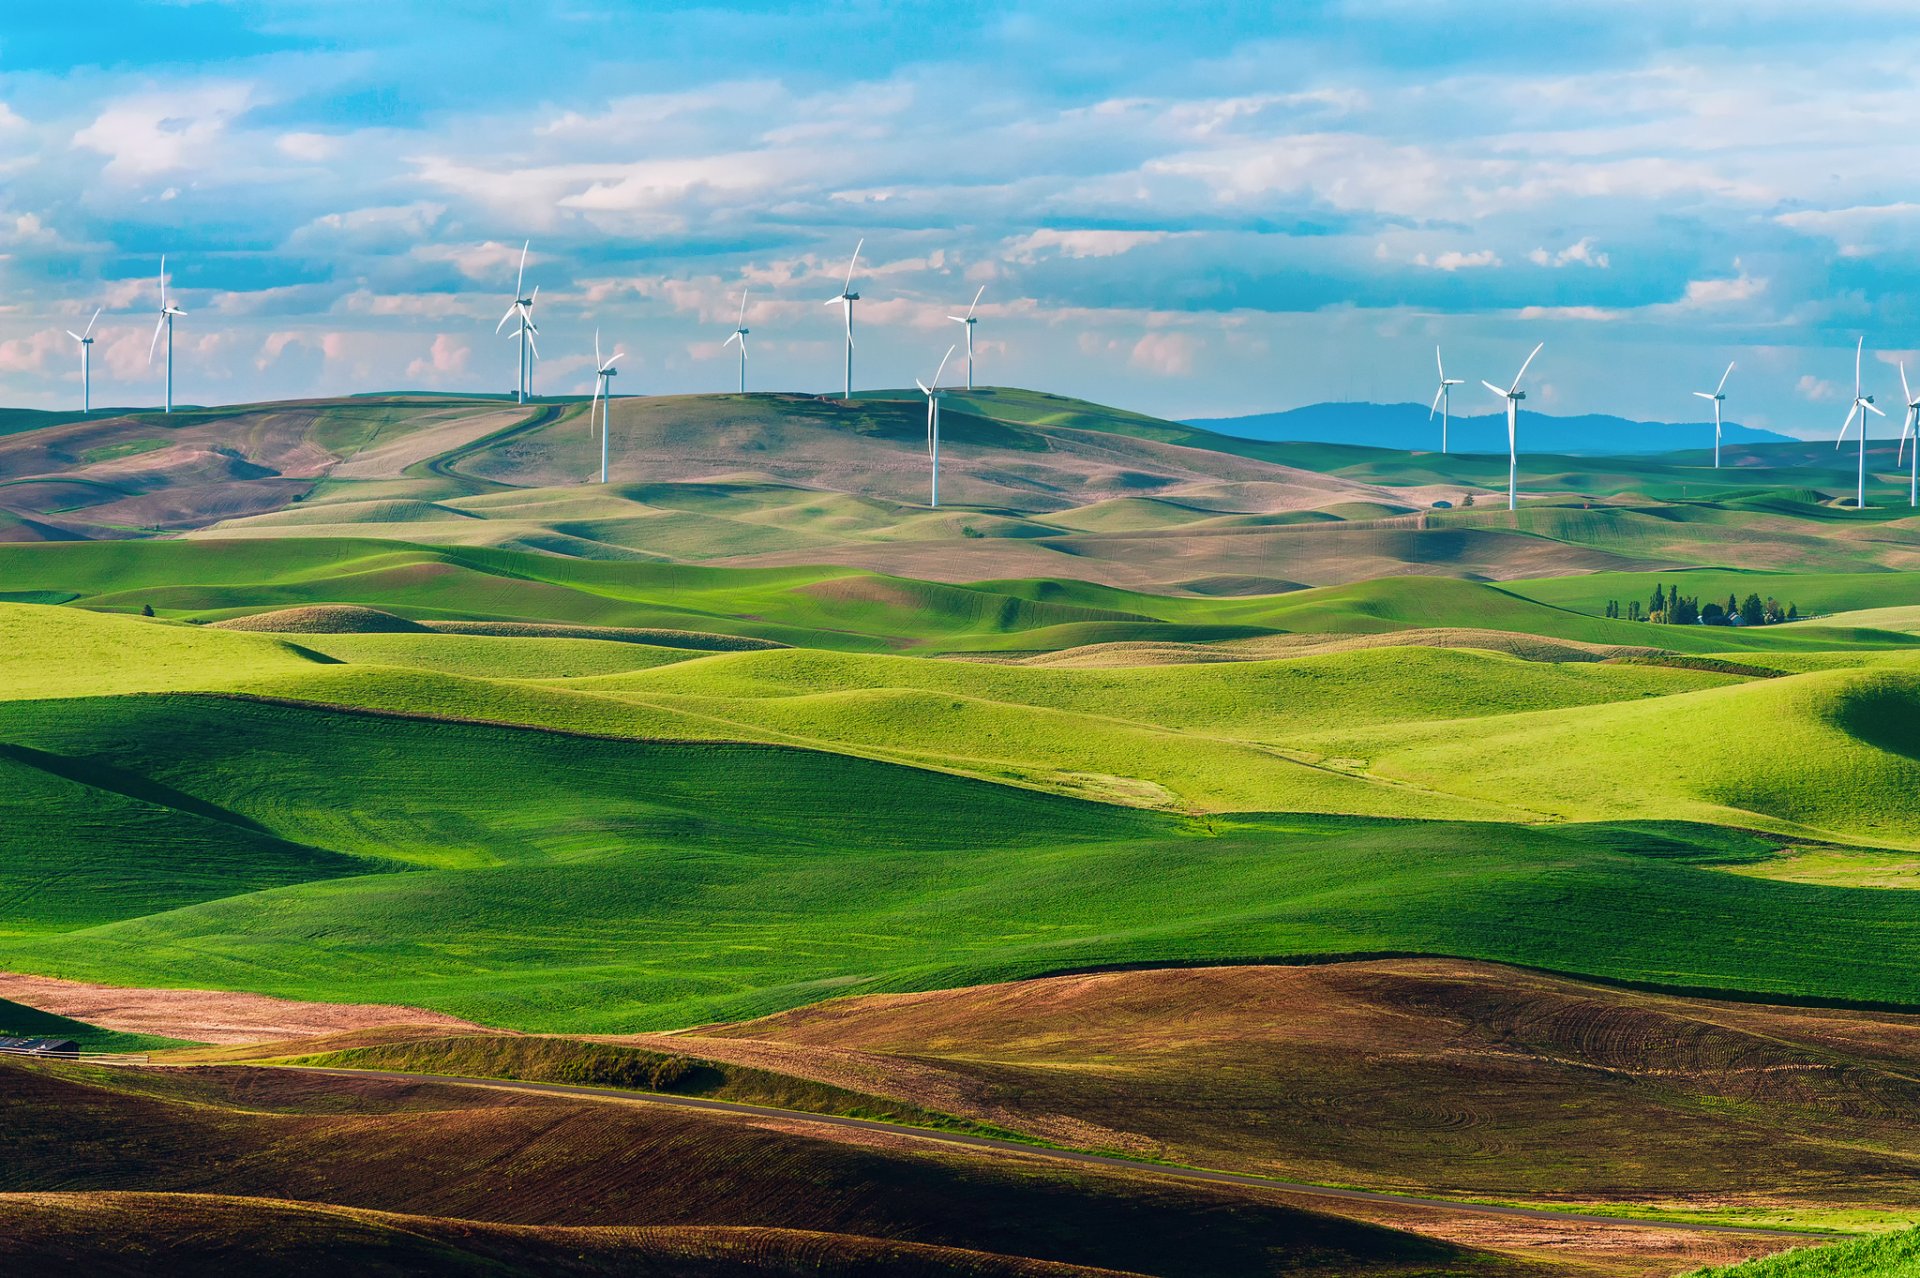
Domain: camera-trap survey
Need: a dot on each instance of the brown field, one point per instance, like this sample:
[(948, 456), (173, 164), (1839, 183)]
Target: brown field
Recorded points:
[(463, 1154), (208, 1016), (1436, 1076)]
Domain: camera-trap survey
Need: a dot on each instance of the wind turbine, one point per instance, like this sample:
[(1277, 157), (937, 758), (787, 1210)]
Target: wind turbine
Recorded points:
[(1441, 397), (846, 299), (1862, 405), (1911, 425), (969, 321), (523, 307), (1513, 395), (604, 373), (86, 362), (1719, 397), (167, 312), (740, 336), (933, 426)]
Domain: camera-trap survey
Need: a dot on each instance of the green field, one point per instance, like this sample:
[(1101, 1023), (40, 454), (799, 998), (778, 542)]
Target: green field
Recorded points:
[(442, 727)]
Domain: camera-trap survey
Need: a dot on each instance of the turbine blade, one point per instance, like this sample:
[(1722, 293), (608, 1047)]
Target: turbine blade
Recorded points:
[(1523, 368), (1871, 408), (922, 385), (1723, 378), (1905, 390), (531, 344), (1847, 425), (163, 281), (848, 286), (520, 280), (1703, 395), (597, 362), (75, 336), (943, 364), (1436, 402), (1858, 348), (1495, 389), (155, 343), (92, 322), (731, 339), (1437, 364), (511, 312), (976, 300), (615, 360), (742, 321)]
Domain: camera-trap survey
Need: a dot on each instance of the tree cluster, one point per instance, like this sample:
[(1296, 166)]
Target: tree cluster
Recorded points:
[(1671, 608)]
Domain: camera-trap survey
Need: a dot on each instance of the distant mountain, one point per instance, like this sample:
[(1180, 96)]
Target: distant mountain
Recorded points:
[(1406, 426)]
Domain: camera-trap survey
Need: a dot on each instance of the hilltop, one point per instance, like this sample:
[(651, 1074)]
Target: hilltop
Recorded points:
[(1035, 486)]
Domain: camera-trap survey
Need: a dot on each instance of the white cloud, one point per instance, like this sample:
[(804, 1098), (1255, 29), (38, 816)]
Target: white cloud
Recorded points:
[(163, 131), (1814, 388), (310, 148), (1078, 244), (1455, 260), (1165, 354), (491, 261), (446, 359), (1580, 252)]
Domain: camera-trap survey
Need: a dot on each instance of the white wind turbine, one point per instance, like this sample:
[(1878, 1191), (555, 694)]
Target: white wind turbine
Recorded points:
[(845, 301), (1911, 425), (933, 426), (969, 321), (86, 363), (523, 308), (167, 312), (604, 373), (1441, 397), (1513, 395), (740, 335), (1719, 397), (1862, 405)]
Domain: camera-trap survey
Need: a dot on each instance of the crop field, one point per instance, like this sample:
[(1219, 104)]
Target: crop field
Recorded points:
[(1257, 807)]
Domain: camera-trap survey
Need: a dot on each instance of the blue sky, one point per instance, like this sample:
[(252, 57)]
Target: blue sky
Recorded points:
[(1189, 210)]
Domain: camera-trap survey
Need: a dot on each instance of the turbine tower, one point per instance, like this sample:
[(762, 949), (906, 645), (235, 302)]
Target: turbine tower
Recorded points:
[(1911, 425), (523, 308), (167, 312), (1862, 405), (86, 362), (604, 373), (740, 336), (1719, 397), (1513, 395), (969, 321), (845, 301), (933, 426), (1441, 398)]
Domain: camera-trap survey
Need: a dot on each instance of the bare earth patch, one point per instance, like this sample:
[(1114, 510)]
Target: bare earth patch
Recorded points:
[(208, 1016)]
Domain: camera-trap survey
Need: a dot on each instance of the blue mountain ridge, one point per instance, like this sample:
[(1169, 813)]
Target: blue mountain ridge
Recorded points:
[(1405, 426)]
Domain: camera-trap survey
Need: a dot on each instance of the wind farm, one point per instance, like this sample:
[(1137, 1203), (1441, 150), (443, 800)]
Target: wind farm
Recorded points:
[(1148, 789)]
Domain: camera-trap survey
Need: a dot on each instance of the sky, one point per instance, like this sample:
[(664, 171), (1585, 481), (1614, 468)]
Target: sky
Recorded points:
[(1188, 210)]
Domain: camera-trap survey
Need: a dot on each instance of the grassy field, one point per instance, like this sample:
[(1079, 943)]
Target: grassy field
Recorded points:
[(1892, 1256)]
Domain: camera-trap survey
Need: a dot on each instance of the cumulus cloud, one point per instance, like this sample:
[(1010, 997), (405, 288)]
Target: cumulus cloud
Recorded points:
[(163, 131), (1814, 388), (1455, 260), (1078, 244), (1165, 354), (1581, 252), (445, 360)]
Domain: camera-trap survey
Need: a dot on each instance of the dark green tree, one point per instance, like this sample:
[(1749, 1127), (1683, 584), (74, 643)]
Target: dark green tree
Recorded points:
[(1752, 611), (1714, 615)]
